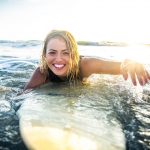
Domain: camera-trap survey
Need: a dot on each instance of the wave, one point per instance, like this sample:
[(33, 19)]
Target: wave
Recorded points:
[(20, 44), (28, 43)]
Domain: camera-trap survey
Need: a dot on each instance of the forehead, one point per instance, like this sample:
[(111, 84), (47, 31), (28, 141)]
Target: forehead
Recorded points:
[(56, 43)]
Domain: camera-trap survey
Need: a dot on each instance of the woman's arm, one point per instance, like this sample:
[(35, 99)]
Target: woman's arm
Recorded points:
[(102, 66), (90, 65), (36, 80)]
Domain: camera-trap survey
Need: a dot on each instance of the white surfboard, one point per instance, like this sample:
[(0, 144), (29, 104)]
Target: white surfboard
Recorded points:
[(69, 118)]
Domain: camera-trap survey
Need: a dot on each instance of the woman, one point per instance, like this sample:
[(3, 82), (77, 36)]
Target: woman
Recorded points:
[(60, 61)]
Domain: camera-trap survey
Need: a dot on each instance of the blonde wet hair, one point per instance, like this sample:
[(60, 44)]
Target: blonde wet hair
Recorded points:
[(73, 70)]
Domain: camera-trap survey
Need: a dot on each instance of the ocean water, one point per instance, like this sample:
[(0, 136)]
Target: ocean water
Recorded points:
[(129, 105)]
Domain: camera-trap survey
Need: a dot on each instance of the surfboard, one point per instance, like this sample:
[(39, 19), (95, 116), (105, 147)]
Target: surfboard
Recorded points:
[(68, 117)]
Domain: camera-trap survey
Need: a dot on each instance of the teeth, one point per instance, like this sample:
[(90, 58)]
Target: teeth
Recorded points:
[(58, 66)]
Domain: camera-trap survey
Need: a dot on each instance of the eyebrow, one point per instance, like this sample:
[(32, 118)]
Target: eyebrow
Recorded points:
[(56, 50)]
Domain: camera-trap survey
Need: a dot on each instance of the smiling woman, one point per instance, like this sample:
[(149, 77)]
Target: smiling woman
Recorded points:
[(59, 47), (60, 61)]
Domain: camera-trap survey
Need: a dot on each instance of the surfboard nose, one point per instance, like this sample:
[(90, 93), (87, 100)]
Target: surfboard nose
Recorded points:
[(50, 138)]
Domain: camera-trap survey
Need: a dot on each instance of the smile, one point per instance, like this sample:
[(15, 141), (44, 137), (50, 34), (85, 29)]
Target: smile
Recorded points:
[(59, 66)]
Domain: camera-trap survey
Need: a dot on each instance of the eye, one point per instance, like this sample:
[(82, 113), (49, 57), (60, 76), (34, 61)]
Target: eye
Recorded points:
[(66, 53), (51, 52)]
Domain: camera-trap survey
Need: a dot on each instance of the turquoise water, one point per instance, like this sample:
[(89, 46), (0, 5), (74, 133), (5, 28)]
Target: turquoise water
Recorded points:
[(115, 99)]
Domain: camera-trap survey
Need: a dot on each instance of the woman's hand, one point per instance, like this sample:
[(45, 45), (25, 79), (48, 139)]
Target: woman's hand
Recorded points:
[(136, 71)]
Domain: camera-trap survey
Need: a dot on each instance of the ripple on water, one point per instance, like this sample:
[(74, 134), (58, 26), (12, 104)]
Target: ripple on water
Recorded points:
[(5, 106)]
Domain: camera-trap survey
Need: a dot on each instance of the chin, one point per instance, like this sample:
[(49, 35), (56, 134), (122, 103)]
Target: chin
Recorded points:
[(60, 74)]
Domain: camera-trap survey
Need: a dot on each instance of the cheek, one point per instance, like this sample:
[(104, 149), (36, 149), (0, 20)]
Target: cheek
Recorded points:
[(48, 60), (69, 63), (68, 60)]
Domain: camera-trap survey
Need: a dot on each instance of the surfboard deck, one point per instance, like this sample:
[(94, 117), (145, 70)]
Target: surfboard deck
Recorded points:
[(56, 121)]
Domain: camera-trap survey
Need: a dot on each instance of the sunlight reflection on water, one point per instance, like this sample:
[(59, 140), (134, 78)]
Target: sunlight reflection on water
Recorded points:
[(139, 52)]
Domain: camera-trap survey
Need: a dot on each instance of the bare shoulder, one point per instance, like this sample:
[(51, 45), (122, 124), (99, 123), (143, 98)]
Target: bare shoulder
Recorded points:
[(37, 74), (37, 71), (36, 79), (90, 65)]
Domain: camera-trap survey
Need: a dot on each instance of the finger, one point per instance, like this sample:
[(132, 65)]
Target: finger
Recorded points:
[(145, 80), (142, 75), (133, 78), (125, 74), (124, 71), (140, 79), (148, 75), (145, 77)]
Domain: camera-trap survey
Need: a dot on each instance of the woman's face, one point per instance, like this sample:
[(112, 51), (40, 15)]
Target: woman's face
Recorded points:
[(58, 56)]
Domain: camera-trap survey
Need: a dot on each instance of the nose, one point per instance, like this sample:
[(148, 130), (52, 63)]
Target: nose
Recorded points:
[(58, 57)]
